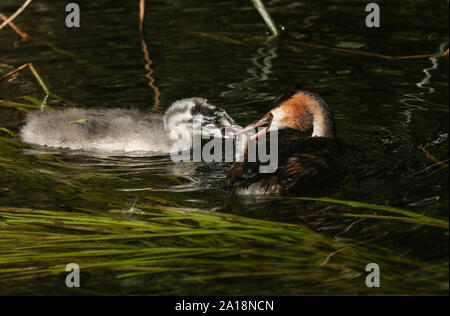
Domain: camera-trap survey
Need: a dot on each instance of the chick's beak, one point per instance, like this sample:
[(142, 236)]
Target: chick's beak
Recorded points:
[(231, 131)]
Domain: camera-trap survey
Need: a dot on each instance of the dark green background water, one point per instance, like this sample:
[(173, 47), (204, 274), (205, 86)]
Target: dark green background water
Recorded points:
[(386, 109)]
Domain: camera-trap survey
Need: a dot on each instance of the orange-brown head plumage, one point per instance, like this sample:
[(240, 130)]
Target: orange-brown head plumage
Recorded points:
[(302, 110)]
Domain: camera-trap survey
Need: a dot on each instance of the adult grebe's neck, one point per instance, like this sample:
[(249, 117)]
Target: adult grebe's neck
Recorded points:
[(323, 123)]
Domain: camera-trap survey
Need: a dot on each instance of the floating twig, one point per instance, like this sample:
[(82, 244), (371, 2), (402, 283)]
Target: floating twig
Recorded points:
[(225, 39), (24, 35), (218, 38), (259, 5), (431, 157), (360, 52), (16, 14), (9, 74)]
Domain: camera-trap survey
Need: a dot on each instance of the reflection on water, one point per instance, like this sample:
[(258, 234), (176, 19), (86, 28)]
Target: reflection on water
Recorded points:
[(172, 225), (261, 69)]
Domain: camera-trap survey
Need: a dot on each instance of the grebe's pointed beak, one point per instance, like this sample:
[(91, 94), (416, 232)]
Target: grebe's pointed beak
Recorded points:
[(254, 125), (266, 120)]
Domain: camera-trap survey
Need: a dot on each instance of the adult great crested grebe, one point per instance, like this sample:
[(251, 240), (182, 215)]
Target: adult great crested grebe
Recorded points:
[(126, 130), (304, 165)]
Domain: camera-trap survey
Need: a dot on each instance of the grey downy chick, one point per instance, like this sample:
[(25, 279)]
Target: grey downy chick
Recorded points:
[(126, 130)]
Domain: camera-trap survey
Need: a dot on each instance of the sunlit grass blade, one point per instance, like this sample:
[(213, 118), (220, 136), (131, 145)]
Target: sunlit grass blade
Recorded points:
[(18, 105), (419, 218), (191, 246)]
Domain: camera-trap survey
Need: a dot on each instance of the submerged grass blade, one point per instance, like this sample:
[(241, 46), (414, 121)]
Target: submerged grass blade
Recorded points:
[(35, 74), (419, 218), (434, 222), (18, 105), (7, 131), (190, 246)]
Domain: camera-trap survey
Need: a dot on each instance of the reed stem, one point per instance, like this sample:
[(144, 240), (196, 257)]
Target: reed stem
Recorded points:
[(259, 5), (16, 28), (39, 79), (15, 15), (141, 14)]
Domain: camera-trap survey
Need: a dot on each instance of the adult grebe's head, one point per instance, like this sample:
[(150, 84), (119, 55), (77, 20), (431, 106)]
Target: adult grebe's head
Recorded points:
[(196, 116), (299, 110)]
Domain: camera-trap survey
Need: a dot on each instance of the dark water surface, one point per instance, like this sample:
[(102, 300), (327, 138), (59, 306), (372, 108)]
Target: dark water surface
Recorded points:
[(188, 235)]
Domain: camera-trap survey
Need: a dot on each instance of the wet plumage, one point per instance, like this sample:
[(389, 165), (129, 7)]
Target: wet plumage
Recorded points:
[(305, 164)]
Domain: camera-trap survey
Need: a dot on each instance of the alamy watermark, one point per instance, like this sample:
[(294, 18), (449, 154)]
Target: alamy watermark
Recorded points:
[(373, 18), (73, 18), (226, 149), (373, 278), (73, 278)]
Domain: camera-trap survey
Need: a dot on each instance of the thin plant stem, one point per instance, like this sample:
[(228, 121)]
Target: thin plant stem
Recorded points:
[(141, 14), (9, 74), (20, 106), (219, 38), (16, 14), (359, 52), (259, 5), (225, 39), (35, 73), (39, 79), (24, 35), (433, 223), (431, 157)]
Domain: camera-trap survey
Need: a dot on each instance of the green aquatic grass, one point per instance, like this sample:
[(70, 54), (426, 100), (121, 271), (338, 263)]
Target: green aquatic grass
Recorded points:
[(167, 249), (410, 217), (7, 131), (191, 246), (18, 105)]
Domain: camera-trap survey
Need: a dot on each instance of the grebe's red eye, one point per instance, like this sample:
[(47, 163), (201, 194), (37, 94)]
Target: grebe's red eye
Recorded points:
[(271, 115)]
